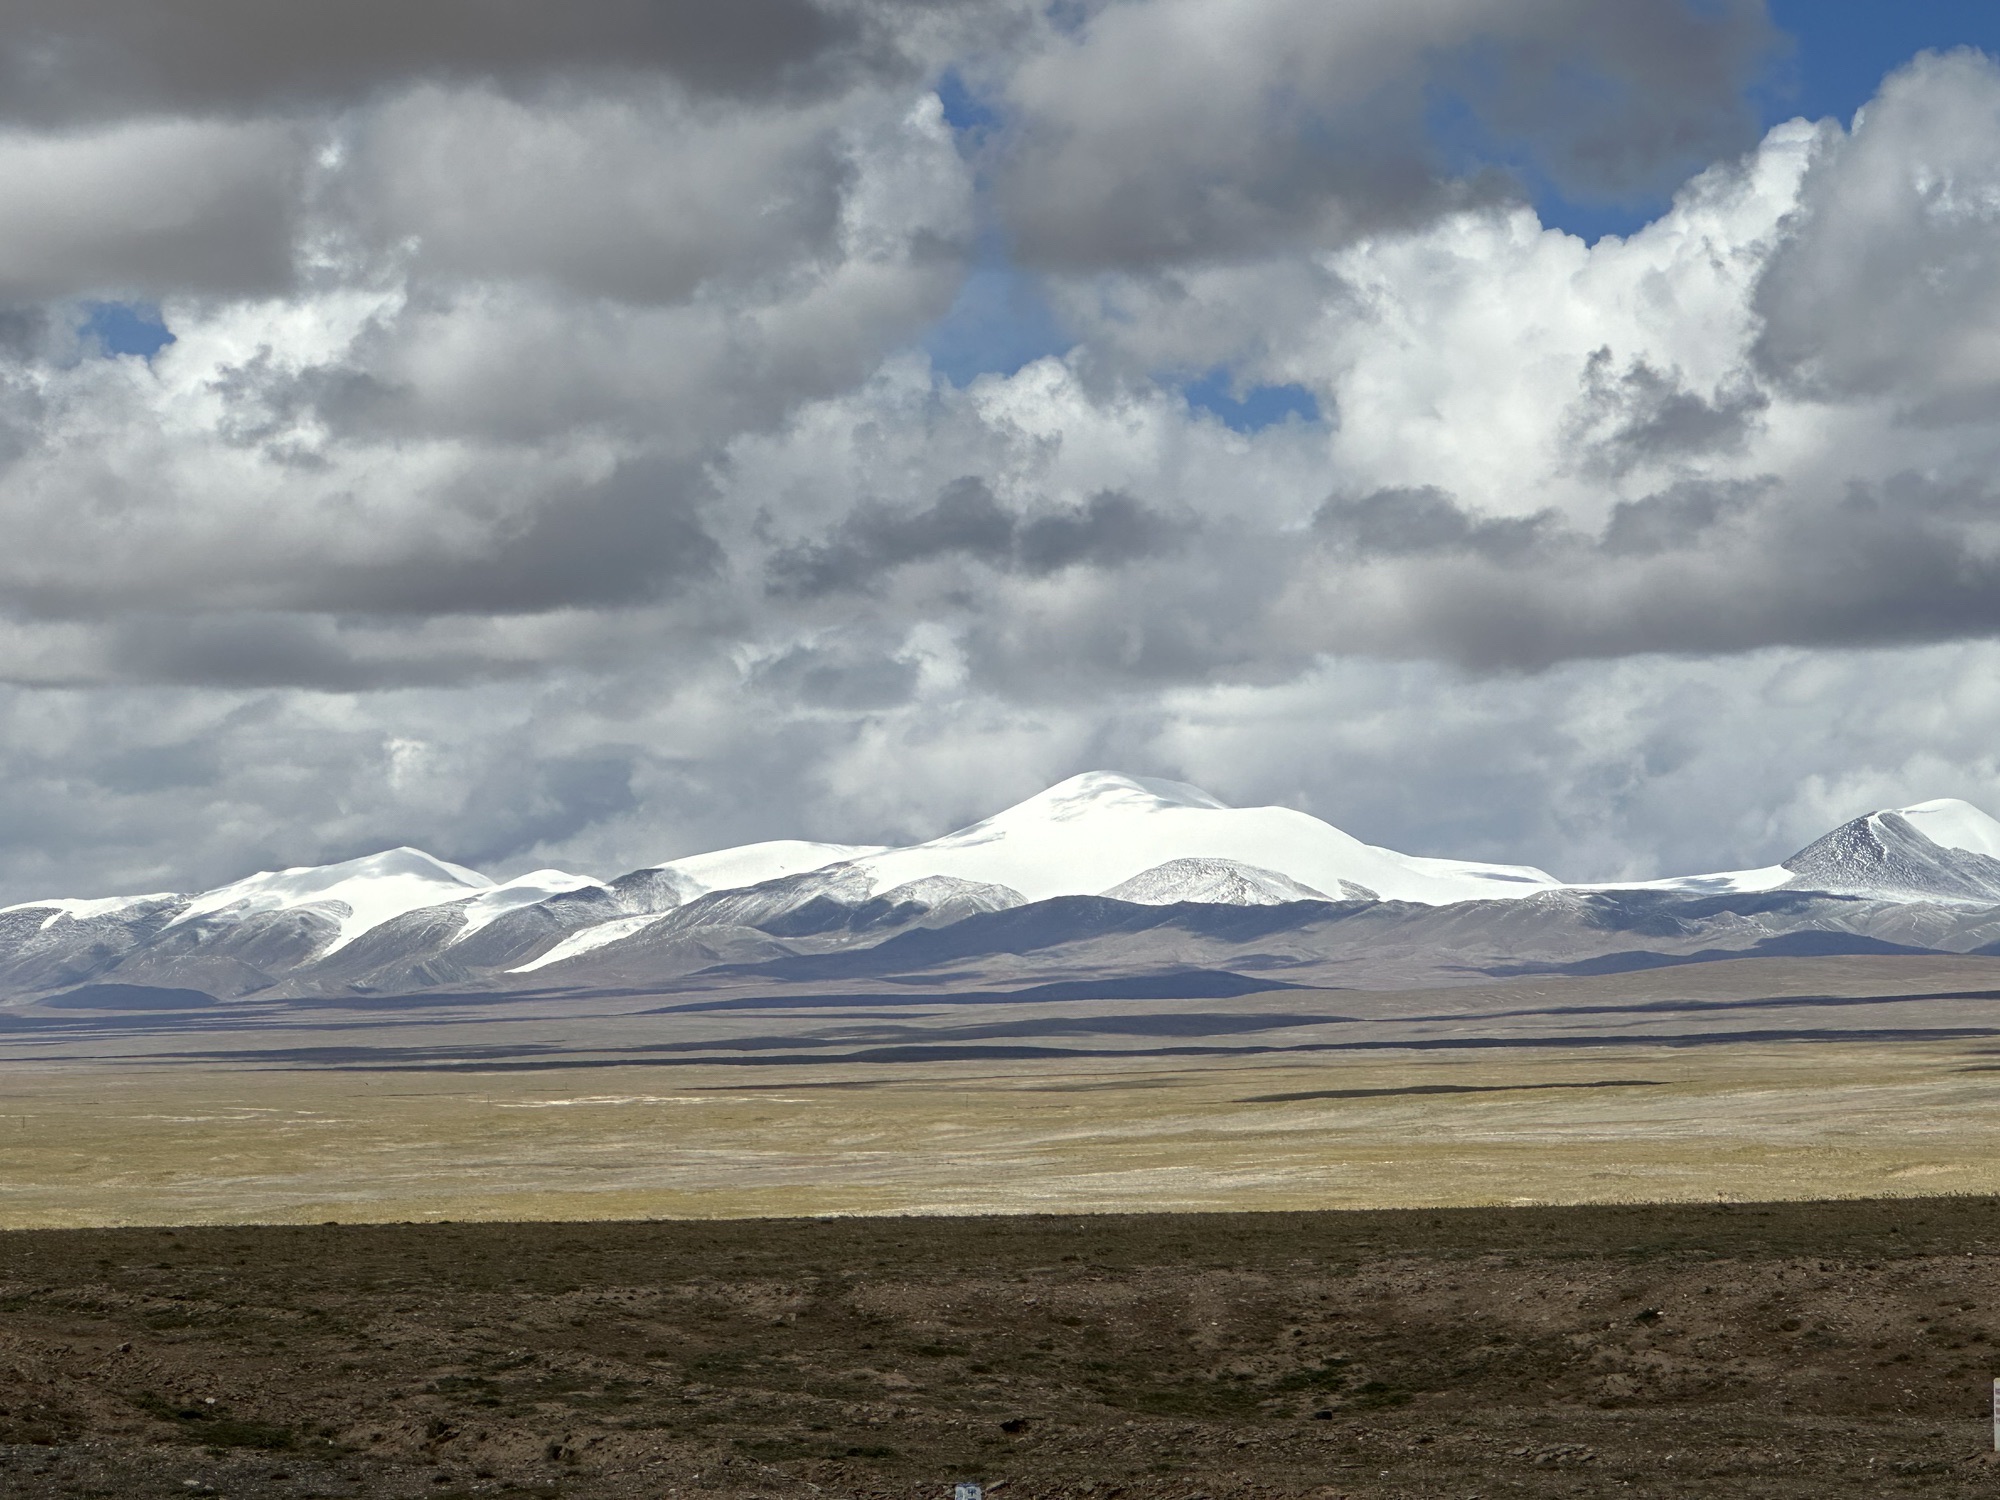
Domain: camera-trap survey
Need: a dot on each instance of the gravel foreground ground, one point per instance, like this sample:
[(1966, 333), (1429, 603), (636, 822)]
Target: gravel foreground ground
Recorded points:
[(1772, 1350)]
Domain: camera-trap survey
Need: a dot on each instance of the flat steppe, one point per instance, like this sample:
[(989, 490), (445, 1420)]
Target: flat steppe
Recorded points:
[(111, 1145), (1756, 1079)]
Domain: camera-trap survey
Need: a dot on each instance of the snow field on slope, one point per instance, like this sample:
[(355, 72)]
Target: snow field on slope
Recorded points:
[(1721, 883), (1952, 824), (588, 939), (522, 891), (79, 909), (753, 864)]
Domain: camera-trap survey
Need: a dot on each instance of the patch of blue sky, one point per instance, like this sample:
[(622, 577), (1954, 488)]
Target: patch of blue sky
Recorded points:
[(126, 328), (964, 110), (1000, 319), (1258, 407), (999, 322), (1842, 48)]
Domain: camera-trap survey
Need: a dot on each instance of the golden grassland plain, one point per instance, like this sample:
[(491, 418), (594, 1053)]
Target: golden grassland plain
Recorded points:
[(111, 1144)]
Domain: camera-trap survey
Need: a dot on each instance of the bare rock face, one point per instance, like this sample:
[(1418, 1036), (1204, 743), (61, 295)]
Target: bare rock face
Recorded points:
[(1226, 882), (45, 947), (1883, 854), (935, 901)]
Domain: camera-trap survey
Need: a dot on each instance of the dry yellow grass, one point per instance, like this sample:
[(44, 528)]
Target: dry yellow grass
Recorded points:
[(105, 1145)]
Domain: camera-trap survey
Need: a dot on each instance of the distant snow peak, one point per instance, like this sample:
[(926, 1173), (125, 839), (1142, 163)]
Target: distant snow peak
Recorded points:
[(1934, 850), (1094, 832), (359, 893), (1095, 790), (1224, 882)]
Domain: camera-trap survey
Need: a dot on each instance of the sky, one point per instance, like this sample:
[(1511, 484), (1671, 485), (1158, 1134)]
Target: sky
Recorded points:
[(1550, 431)]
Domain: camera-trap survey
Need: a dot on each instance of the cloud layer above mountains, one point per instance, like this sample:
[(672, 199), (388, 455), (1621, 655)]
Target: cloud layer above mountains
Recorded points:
[(545, 468)]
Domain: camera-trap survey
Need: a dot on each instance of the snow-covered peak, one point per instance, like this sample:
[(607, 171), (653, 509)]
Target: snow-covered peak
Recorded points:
[(1896, 854), (531, 889), (1096, 831), (373, 889), (1094, 791), (1952, 824), (1940, 850), (753, 864)]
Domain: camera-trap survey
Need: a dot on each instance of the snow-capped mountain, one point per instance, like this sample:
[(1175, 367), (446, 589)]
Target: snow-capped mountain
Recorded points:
[(403, 921), (1132, 839), (358, 893), (1942, 850), (1092, 832)]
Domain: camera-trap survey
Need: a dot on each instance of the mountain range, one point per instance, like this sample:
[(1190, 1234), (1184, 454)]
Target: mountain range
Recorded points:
[(1123, 883)]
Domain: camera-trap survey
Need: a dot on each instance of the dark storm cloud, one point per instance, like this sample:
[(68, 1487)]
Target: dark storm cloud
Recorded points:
[(837, 677), (207, 146), (1699, 568), (545, 801), (191, 146), (151, 206), (1618, 101), (1886, 281), (634, 537), (68, 61), (1643, 415), (262, 649), (597, 199), (626, 540), (155, 768), (1107, 531), (1426, 520), (24, 330), (1695, 569), (1191, 131), (1674, 519), (966, 521), (1205, 612)]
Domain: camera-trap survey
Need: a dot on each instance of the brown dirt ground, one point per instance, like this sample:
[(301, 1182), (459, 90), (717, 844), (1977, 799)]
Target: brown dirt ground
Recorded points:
[(1731, 1350)]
